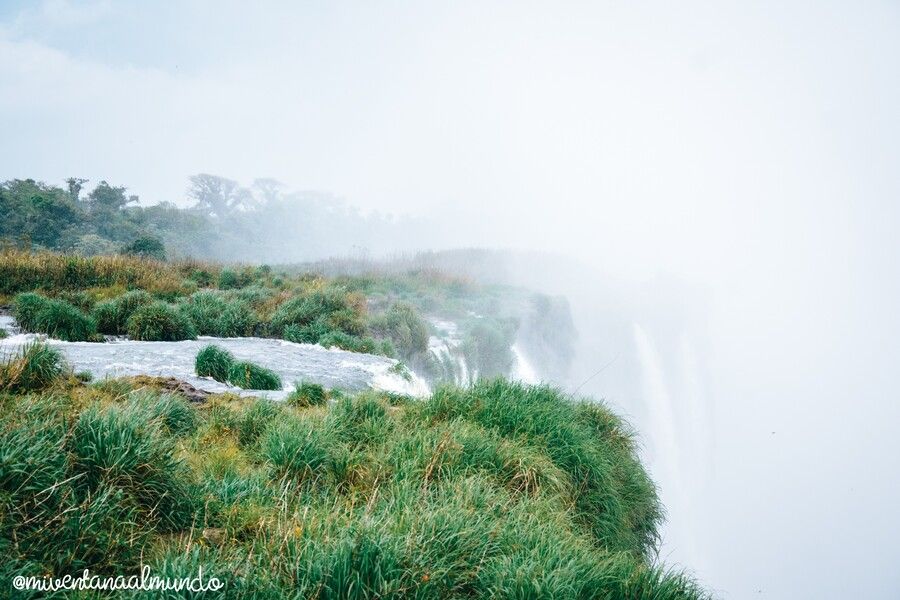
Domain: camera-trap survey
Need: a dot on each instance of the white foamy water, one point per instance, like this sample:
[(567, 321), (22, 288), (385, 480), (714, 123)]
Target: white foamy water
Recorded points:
[(522, 368), (293, 362)]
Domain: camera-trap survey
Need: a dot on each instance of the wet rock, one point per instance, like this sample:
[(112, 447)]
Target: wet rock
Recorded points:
[(172, 385)]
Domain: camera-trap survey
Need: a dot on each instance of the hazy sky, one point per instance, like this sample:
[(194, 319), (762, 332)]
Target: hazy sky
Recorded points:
[(752, 149), (667, 127)]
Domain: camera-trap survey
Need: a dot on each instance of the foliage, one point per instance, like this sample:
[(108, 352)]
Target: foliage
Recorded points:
[(487, 492), (404, 327), (112, 315), (213, 361), (488, 346), (146, 247), (34, 367), (250, 376), (321, 311), (215, 314), (160, 321), (56, 318), (307, 394)]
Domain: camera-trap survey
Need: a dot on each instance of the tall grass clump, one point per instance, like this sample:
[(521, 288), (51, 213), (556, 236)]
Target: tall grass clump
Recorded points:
[(26, 307), (112, 315), (59, 319), (307, 394), (34, 367), (403, 326), (614, 497), (297, 449), (250, 376), (319, 312), (160, 321), (213, 361), (215, 314), (119, 447)]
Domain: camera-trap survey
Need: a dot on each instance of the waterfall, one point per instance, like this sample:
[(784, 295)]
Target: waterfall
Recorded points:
[(522, 369), (675, 432)]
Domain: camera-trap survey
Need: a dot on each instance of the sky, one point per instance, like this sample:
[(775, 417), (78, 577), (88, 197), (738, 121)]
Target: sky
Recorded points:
[(748, 149)]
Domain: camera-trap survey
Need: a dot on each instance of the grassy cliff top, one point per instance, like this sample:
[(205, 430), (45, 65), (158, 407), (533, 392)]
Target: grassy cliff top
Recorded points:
[(499, 490)]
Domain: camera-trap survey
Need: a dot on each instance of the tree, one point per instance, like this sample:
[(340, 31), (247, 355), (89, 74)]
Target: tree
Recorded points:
[(147, 247), (109, 198), (75, 184), (216, 195)]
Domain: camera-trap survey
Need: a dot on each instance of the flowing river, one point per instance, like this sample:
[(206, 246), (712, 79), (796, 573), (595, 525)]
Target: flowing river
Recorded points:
[(331, 368)]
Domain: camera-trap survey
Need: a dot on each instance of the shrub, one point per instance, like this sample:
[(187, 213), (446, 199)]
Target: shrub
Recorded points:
[(296, 449), (26, 307), (160, 321), (614, 496), (3, 334), (112, 315), (353, 343), (488, 347), (307, 394), (59, 319), (213, 314), (146, 247), (213, 361), (250, 376), (404, 327), (172, 411), (255, 418), (333, 308), (119, 447), (33, 368), (84, 376)]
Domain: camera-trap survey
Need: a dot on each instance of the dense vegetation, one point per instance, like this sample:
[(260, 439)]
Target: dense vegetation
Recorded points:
[(261, 223), (500, 490), (222, 221), (78, 298)]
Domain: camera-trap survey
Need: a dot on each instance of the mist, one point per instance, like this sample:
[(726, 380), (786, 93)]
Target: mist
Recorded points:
[(713, 189)]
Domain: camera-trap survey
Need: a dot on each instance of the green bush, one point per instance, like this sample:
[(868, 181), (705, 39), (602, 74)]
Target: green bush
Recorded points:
[(146, 247), (26, 307), (34, 367), (250, 376), (353, 343), (613, 495), (213, 361), (59, 319), (256, 418), (297, 449), (3, 334), (172, 411), (321, 310), (213, 314), (307, 394), (112, 315), (160, 321), (118, 446), (403, 326)]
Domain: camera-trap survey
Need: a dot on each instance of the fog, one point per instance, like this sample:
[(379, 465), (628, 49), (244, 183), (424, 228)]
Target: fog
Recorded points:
[(713, 186)]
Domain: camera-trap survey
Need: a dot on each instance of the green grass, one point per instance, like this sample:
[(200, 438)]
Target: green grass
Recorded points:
[(56, 318), (307, 394), (213, 361), (250, 376), (112, 315), (59, 319), (34, 367), (160, 321), (480, 493)]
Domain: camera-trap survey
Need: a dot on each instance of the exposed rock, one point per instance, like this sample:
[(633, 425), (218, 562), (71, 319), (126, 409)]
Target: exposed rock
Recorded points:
[(173, 385)]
